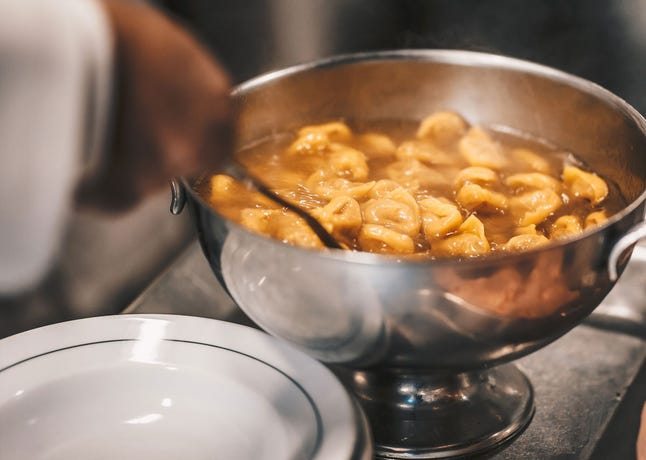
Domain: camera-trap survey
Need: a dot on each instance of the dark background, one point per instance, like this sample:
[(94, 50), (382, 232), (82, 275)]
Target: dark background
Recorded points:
[(601, 40)]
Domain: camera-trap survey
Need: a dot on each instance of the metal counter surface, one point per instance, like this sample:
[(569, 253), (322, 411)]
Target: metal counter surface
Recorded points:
[(589, 385)]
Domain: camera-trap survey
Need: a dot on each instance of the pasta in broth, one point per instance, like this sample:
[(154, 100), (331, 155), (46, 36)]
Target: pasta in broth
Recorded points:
[(438, 188)]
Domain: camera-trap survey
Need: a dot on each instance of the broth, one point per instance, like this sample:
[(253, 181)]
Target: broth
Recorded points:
[(439, 188)]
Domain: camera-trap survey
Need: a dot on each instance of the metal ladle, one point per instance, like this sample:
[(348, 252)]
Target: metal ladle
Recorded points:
[(242, 174)]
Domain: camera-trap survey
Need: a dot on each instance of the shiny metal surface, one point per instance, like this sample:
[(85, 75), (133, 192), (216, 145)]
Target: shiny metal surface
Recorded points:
[(178, 197), (435, 416), (627, 241), (385, 314), (588, 385)]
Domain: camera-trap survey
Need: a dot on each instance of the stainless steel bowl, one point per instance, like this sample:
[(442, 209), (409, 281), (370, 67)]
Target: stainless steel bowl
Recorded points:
[(416, 340)]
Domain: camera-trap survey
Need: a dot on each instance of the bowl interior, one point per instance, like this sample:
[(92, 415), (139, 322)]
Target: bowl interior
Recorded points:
[(164, 409), (166, 387), (489, 90)]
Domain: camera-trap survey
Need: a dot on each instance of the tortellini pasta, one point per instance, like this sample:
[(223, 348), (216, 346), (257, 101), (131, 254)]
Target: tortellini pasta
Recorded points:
[(348, 163), (391, 214), (341, 214), (380, 239), (533, 180), (524, 242), (595, 218), (328, 188), (475, 197), (439, 217), (392, 207), (584, 184), (376, 145), (443, 189), (442, 128), (470, 240), (476, 175), (422, 151), (412, 174), (565, 226), (479, 149), (313, 139), (535, 206), (279, 224)]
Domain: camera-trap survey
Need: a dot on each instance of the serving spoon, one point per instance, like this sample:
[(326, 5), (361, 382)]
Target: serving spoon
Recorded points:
[(239, 172)]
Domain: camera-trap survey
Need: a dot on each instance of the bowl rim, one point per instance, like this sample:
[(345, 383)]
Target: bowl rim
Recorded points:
[(340, 427), (443, 56)]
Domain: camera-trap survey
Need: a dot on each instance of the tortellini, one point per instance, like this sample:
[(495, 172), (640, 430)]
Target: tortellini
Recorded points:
[(412, 174), (392, 214), (225, 189), (327, 188), (479, 149), (313, 139), (377, 238), (595, 218), (348, 163), (565, 226), (535, 206), (446, 189), (281, 225), (533, 180), (584, 184), (376, 145), (439, 217), (442, 128), (524, 242), (424, 152), (476, 175), (394, 208), (341, 214), (475, 197), (469, 241)]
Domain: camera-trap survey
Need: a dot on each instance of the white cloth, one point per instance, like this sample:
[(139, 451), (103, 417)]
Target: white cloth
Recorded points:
[(55, 81)]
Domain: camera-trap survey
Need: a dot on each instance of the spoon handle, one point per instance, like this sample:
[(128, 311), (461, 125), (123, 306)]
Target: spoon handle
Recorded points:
[(239, 172)]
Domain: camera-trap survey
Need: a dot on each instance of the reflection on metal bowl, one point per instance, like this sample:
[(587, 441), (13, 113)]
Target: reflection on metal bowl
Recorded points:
[(413, 339)]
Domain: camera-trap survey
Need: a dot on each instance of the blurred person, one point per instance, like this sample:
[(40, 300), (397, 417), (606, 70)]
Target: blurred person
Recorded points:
[(101, 102)]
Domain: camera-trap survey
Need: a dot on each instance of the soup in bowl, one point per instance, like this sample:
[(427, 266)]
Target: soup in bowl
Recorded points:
[(502, 257), (450, 190)]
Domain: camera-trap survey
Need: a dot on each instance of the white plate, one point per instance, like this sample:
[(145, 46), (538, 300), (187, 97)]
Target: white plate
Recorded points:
[(169, 387)]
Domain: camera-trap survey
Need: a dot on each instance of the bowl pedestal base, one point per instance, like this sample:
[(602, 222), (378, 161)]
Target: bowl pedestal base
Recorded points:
[(417, 415)]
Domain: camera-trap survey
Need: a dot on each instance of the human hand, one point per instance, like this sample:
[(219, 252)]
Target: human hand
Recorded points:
[(171, 112)]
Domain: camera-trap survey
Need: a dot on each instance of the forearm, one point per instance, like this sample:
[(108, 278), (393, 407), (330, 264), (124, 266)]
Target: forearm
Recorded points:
[(172, 108)]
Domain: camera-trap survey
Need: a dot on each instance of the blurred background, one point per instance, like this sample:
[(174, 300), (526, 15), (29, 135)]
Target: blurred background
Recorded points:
[(107, 260), (604, 41)]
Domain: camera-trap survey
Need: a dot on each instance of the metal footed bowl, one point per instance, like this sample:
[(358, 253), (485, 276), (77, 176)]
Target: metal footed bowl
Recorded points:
[(424, 344)]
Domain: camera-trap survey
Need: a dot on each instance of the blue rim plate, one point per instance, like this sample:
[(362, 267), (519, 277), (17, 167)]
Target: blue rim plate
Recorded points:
[(164, 386)]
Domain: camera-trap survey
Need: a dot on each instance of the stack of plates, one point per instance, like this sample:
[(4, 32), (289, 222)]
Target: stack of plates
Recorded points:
[(170, 387)]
